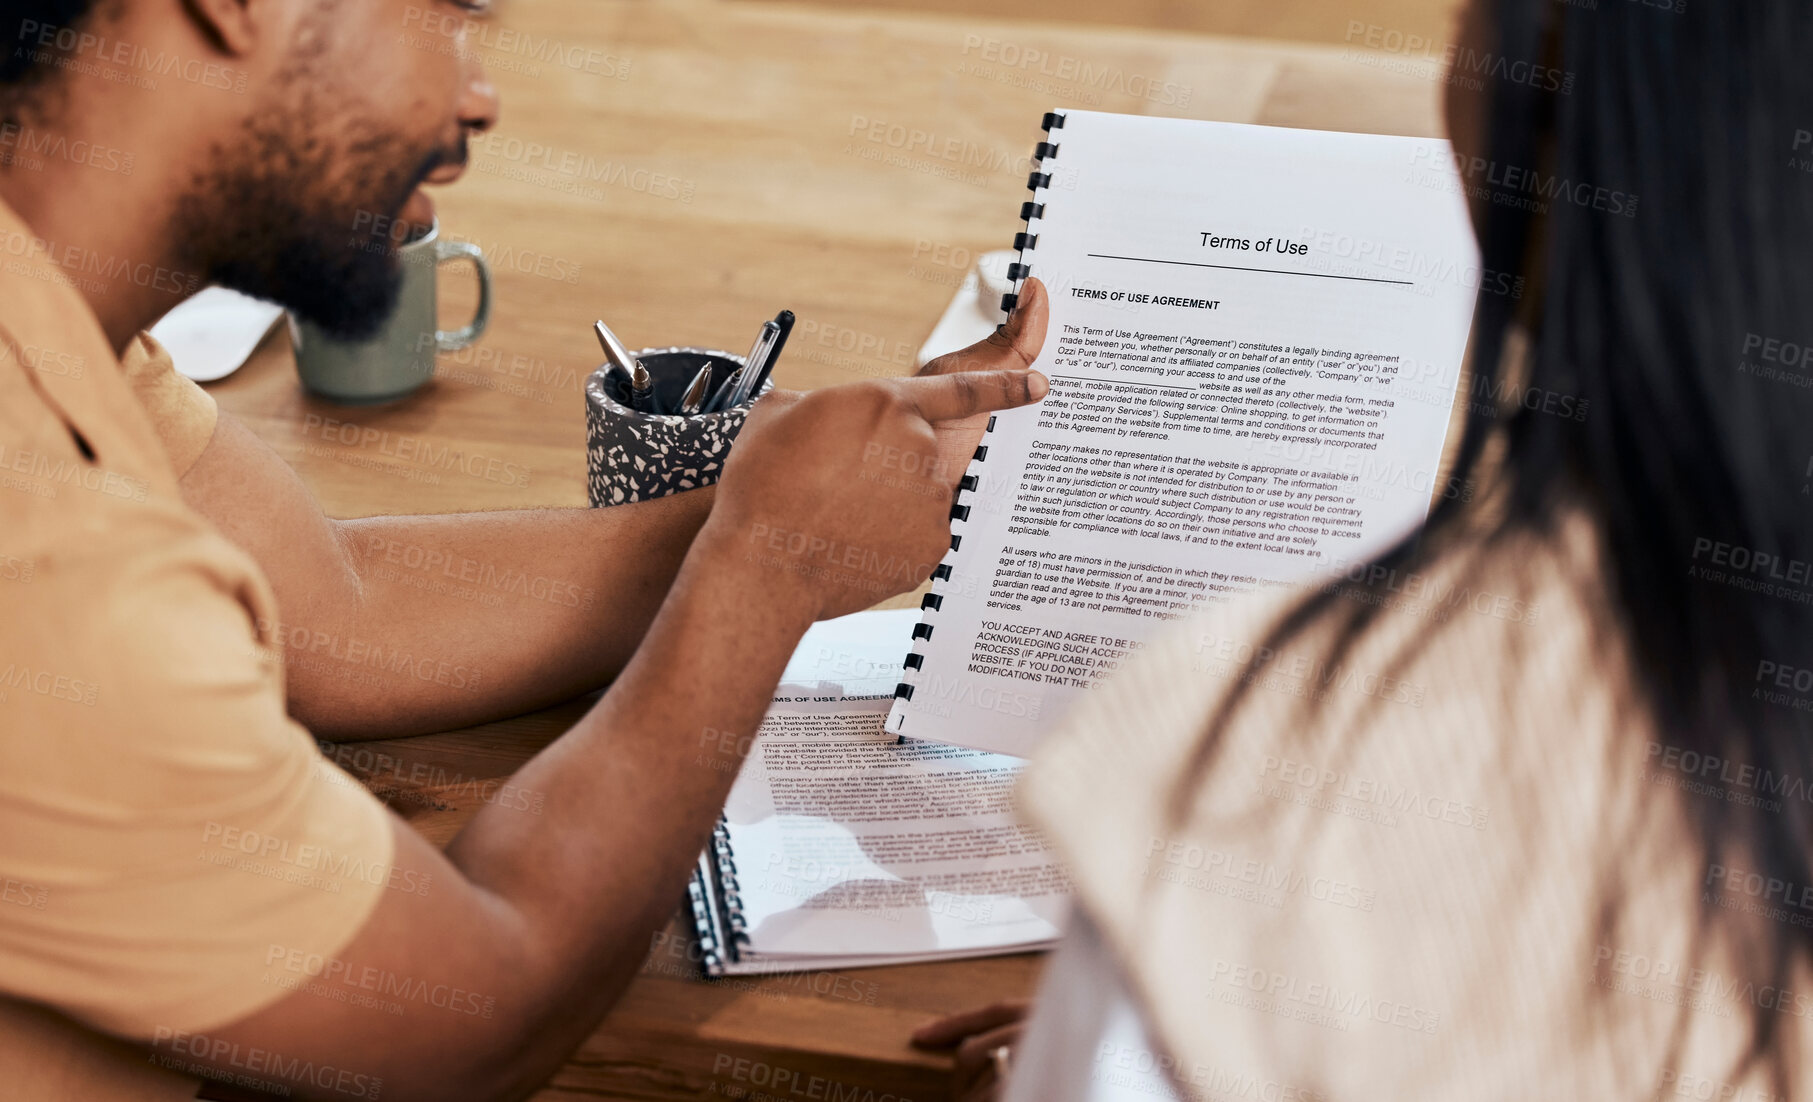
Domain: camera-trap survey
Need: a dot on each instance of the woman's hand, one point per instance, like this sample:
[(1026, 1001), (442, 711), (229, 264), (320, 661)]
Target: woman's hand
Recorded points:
[(984, 1041)]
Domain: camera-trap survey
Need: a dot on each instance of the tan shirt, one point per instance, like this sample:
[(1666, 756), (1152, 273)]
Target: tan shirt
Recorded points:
[(165, 828), (1397, 896)]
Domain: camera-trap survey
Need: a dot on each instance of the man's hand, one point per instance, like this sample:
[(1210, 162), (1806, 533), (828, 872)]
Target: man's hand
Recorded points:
[(843, 495), (977, 1036), (1013, 345)]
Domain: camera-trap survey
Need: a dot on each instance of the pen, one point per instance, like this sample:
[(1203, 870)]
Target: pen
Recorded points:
[(721, 399), (711, 399), (758, 355), (642, 391), (614, 350), (710, 369), (784, 319), (695, 391), (641, 387)]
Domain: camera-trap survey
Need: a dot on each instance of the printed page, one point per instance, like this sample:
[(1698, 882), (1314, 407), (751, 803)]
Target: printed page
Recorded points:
[(848, 845), (1255, 339), (854, 656)]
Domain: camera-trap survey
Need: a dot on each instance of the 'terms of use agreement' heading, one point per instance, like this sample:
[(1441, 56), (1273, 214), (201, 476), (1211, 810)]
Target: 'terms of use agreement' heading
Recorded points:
[(1148, 299)]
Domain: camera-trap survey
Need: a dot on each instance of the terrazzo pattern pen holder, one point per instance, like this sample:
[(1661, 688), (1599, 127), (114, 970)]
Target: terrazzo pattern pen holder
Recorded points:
[(633, 456)]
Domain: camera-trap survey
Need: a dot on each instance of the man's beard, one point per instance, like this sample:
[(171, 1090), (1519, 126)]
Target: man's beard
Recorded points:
[(301, 219)]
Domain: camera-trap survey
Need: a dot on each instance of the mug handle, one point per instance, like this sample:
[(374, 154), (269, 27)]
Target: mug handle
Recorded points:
[(456, 339)]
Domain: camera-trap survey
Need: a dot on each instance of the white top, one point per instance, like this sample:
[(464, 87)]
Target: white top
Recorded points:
[(1086, 1041), (1455, 861)]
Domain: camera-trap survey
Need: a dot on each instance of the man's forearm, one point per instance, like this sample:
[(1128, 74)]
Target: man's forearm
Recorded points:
[(397, 625), (638, 785), (551, 913), (509, 610)]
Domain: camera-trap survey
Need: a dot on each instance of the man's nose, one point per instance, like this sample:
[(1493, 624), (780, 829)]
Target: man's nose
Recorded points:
[(479, 104)]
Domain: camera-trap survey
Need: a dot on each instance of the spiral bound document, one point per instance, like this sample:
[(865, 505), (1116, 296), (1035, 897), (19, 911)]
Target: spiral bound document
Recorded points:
[(839, 848), (1256, 335)]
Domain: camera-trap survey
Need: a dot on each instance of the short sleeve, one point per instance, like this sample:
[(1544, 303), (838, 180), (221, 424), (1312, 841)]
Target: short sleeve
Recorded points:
[(183, 414), (165, 829)]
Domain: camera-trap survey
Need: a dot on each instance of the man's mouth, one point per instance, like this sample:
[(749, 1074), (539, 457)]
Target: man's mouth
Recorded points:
[(417, 212)]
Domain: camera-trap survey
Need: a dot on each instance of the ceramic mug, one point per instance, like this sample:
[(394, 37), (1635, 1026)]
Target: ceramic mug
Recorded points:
[(400, 357)]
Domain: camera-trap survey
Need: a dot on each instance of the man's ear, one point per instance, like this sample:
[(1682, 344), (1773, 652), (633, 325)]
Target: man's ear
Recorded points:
[(231, 25)]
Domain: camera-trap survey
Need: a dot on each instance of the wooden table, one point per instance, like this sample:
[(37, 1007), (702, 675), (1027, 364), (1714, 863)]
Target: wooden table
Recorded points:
[(719, 161)]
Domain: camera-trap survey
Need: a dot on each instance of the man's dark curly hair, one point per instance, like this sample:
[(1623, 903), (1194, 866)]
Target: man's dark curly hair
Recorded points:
[(19, 55)]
